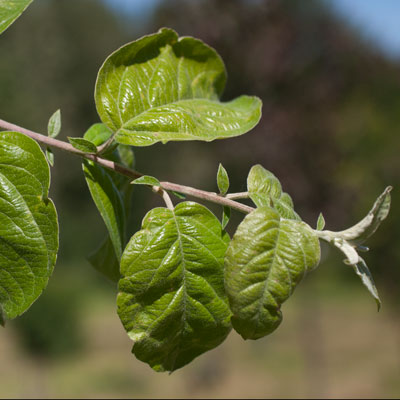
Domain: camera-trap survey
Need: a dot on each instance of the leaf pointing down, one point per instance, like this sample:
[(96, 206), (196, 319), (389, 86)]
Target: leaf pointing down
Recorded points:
[(161, 88), (28, 224), (266, 259), (171, 298)]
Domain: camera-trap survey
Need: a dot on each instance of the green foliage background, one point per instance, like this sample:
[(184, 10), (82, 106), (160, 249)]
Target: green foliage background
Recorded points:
[(329, 131)]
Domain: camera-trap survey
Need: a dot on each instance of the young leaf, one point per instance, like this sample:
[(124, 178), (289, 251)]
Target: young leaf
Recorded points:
[(83, 145), (28, 224), (320, 222), (266, 259), (147, 180), (10, 10), (109, 202), (172, 299), (177, 194), (222, 180), (98, 134), (161, 88), (50, 156), (226, 215), (54, 125), (265, 190)]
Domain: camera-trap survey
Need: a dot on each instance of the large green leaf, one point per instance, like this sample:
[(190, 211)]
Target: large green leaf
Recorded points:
[(10, 10), (267, 258), (265, 190), (28, 224), (162, 88), (172, 299)]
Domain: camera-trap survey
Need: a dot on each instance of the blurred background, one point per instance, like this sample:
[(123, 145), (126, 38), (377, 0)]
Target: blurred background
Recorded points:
[(328, 73)]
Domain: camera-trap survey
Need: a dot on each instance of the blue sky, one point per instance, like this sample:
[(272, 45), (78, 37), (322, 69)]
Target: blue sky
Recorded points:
[(378, 20)]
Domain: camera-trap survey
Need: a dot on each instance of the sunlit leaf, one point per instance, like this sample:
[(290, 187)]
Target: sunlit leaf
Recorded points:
[(54, 125), (265, 190), (266, 259), (161, 88), (28, 224), (83, 145), (222, 180), (146, 180), (172, 299), (10, 10), (320, 222)]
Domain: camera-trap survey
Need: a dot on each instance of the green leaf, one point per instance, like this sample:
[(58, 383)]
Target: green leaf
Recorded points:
[(126, 155), (265, 190), (10, 10), (222, 180), (98, 134), (147, 180), (161, 88), (177, 194), (54, 125), (172, 299), (105, 260), (266, 259), (50, 156), (108, 201), (320, 222), (83, 145), (226, 216), (28, 224)]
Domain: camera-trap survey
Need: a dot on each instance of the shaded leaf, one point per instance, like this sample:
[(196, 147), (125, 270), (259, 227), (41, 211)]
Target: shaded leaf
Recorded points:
[(265, 190), (161, 88), (147, 180), (266, 259), (126, 155), (10, 10), (108, 201), (222, 180), (50, 156), (226, 216), (172, 299), (83, 145), (28, 224), (54, 125)]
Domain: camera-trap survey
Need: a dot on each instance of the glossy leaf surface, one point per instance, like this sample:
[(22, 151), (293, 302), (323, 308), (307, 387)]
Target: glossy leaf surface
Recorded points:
[(10, 10), (265, 190), (266, 259), (172, 299), (83, 145), (28, 224), (162, 88), (146, 180)]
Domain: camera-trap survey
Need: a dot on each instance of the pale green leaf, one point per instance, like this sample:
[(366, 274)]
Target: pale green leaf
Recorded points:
[(266, 259), (265, 190), (172, 299), (222, 180), (320, 222), (10, 10), (161, 88), (109, 202), (83, 145), (147, 180), (28, 224), (54, 125), (365, 275), (98, 134)]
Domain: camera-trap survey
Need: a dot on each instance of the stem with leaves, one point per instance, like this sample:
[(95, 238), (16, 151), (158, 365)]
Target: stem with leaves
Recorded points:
[(130, 173)]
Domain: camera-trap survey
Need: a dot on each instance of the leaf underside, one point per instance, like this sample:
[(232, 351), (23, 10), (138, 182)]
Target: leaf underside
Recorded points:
[(28, 224), (161, 88), (266, 259), (172, 299), (10, 10)]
